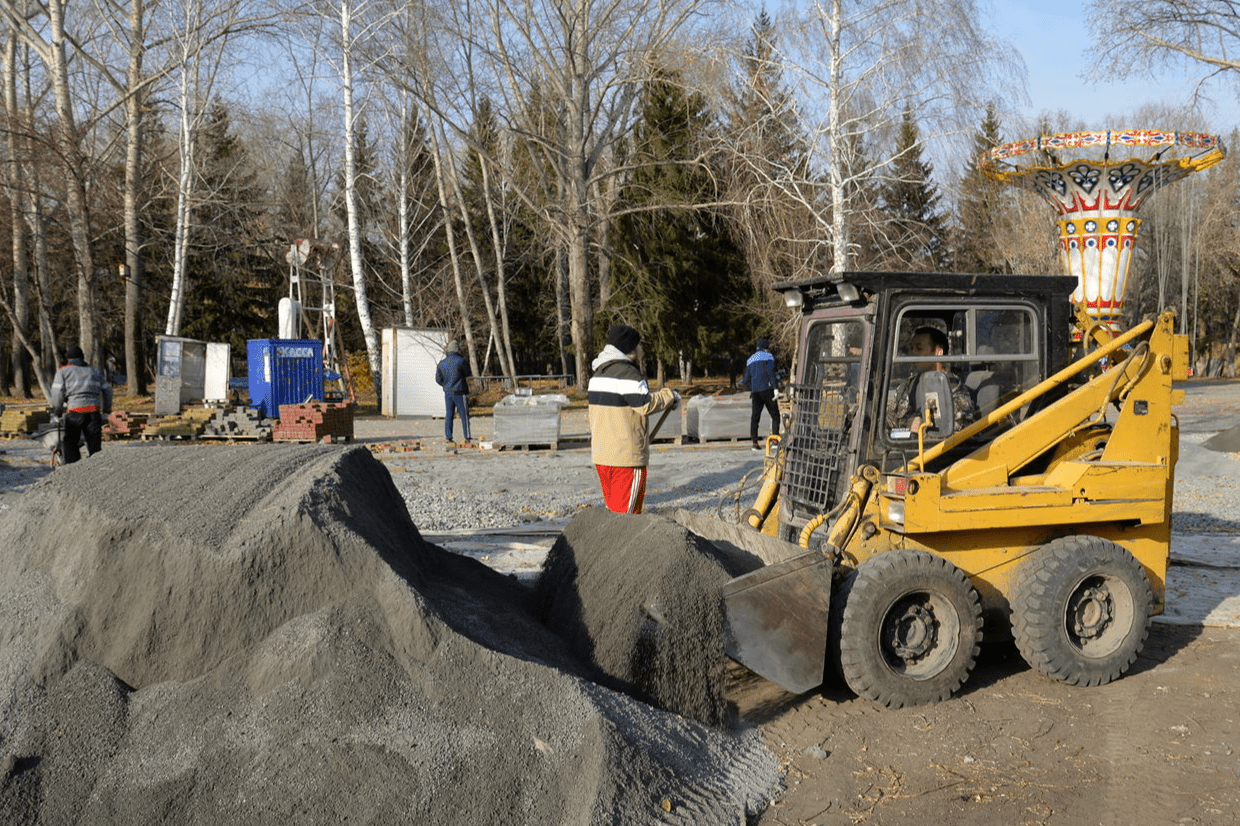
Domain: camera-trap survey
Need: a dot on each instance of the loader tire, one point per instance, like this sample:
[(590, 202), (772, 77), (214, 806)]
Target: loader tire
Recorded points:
[(1081, 610), (833, 674), (911, 629)]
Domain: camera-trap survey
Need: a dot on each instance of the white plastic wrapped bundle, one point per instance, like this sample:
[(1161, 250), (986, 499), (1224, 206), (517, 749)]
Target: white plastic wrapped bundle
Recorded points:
[(718, 417), (528, 420)]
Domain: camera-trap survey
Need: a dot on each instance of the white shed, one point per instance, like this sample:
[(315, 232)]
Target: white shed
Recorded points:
[(410, 355)]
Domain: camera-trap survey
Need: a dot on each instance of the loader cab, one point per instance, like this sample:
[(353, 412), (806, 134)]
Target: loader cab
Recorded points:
[(878, 351)]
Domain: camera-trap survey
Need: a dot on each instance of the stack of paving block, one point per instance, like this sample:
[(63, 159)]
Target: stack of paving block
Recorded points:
[(238, 423), (24, 419), (188, 424), (122, 424), (314, 422)]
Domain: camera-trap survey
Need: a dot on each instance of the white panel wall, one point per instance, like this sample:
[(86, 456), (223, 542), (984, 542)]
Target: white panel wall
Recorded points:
[(410, 355)]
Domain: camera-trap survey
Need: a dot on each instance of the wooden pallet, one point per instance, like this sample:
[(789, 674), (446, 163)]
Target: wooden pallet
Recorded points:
[(528, 446)]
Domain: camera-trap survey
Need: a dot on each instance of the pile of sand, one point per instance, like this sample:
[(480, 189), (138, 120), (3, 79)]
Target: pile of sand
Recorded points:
[(241, 635)]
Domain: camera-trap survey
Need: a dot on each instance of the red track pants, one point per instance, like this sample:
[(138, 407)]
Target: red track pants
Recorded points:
[(624, 488)]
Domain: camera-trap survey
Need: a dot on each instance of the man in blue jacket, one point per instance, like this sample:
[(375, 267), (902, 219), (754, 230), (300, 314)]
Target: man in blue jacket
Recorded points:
[(452, 374), (760, 379)]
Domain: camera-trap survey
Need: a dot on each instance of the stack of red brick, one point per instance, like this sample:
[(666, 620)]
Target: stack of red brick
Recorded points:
[(314, 422), (125, 425)]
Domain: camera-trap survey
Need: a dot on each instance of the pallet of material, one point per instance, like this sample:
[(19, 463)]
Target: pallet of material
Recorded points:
[(16, 421), (122, 424), (314, 422), (188, 424), (527, 421), (241, 423), (719, 418)]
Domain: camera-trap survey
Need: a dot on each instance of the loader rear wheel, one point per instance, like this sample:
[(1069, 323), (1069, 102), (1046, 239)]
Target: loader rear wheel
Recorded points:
[(1081, 610), (910, 630)]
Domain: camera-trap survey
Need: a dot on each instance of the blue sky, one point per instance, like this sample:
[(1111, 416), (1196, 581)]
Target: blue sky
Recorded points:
[(1053, 37)]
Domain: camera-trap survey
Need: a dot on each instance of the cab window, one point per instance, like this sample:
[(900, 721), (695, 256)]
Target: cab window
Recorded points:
[(957, 363)]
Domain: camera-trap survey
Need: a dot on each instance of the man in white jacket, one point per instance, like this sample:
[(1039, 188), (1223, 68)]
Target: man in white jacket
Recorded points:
[(620, 402)]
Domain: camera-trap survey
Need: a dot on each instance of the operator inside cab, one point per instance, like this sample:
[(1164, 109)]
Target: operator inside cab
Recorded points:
[(927, 385)]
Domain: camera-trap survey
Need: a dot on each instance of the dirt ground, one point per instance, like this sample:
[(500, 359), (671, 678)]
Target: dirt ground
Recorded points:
[(1160, 746)]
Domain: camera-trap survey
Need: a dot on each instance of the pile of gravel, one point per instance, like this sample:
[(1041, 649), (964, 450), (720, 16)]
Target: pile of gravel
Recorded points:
[(230, 635), (1206, 477), (638, 596)]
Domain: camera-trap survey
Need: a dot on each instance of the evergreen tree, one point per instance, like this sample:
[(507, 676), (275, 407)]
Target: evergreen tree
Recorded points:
[(914, 230), (980, 207), (768, 153), (680, 277), (428, 246), (234, 273), (294, 216), (862, 195), (538, 302)]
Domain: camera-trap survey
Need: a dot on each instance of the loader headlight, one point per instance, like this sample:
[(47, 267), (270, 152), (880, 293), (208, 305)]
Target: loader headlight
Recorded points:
[(895, 511), (793, 299)]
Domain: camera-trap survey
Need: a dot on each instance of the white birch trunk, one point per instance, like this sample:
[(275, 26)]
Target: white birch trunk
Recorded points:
[(184, 212), (402, 195), (369, 334)]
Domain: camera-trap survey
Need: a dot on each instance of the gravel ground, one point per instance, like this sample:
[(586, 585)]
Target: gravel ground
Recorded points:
[(459, 489)]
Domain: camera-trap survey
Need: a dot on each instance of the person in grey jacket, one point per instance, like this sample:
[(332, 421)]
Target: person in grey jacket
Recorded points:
[(81, 397), (452, 374)]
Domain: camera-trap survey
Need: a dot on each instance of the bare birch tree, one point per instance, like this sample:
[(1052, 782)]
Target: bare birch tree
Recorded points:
[(1168, 32), (586, 59), (863, 63), (15, 144), (351, 113), (53, 51), (200, 35)]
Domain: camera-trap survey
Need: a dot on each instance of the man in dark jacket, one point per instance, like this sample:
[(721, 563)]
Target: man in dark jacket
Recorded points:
[(760, 379), (452, 374), (81, 396)]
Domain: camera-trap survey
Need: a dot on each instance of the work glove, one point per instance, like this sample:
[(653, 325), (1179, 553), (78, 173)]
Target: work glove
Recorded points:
[(675, 399)]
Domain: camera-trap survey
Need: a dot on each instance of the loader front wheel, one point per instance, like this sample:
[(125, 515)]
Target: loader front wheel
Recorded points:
[(910, 630), (1081, 610)]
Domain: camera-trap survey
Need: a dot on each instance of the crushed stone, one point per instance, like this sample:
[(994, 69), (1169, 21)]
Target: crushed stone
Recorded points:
[(230, 635), (638, 596)]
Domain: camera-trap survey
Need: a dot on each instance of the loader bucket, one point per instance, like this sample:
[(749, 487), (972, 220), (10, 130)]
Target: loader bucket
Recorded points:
[(775, 609), (777, 620)]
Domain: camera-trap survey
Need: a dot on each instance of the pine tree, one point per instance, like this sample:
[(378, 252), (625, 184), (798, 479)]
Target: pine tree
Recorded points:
[(235, 279), (862, 194), (294, 216), (768, 153), (981, 206), (427, 244), (680, 277), (914, 230)]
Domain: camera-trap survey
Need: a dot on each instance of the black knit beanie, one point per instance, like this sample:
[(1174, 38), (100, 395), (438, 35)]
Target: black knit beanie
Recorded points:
[(624, 338)]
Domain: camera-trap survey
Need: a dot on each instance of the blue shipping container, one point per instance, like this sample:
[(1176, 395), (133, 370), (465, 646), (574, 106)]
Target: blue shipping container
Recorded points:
[(284, 371)]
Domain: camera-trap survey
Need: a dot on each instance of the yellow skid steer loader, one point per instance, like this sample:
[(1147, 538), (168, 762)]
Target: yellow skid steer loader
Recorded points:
[(964, 452)]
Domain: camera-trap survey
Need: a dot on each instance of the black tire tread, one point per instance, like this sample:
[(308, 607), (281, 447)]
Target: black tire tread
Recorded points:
[(1037, 616), (873, 581)]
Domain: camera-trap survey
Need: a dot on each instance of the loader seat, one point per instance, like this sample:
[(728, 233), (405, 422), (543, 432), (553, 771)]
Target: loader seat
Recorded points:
[(984, 387), (984, 384)]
